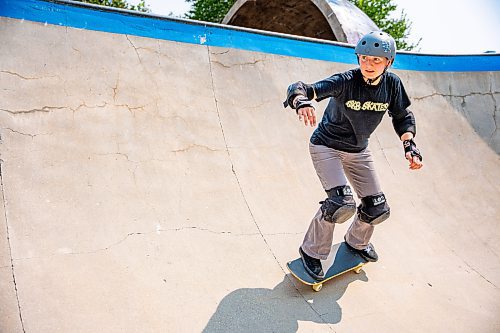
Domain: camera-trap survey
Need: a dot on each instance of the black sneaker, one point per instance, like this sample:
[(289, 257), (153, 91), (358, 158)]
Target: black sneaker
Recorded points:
[(368, 253), (312, 265)]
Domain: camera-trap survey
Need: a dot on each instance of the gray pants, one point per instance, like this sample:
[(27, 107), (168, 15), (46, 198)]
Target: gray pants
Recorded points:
[(332, 167)]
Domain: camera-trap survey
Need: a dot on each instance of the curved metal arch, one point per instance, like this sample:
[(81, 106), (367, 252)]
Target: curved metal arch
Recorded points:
[(337, 20)]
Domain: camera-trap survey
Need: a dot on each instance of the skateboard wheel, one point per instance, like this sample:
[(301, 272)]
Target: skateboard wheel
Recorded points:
[(317, 287), (358, 269)]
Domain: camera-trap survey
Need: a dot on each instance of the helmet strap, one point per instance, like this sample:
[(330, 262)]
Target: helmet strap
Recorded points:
[(370, 81)]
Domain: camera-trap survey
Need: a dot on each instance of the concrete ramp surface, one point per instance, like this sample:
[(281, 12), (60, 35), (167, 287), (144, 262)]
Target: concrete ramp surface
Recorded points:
[(152, 182)]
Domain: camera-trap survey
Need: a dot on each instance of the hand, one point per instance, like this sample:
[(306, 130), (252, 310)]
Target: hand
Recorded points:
[(308, 115), (415, 162), (412, 154)]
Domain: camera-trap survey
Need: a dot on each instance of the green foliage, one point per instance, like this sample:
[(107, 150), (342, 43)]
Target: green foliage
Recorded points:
[(141, 7), (209, 10), (380, 13)]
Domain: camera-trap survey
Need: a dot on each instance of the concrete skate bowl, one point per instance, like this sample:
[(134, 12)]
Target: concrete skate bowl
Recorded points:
[(152, 181)]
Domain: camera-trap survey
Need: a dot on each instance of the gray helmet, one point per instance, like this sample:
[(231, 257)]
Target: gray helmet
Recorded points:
[(377, 44)]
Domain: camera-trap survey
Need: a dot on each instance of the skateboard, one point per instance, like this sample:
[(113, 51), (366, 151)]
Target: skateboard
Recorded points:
[(342, 259)]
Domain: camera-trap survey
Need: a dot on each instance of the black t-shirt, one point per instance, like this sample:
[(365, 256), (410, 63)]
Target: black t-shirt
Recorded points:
[(356, 109)]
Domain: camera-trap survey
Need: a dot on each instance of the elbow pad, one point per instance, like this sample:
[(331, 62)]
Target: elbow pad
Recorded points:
[(404, 124), (403, 128)]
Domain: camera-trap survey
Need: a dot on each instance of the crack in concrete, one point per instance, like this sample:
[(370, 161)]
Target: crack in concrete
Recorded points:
[(135, 49), (115, 88), (492, 136), (470, 266), (477, 272), (45, 109), (49, 109), (384, 154), (182, 150), (107, 247), (27, 77), (193, 146), (158, 53), (285, 233), (452, 250), (238, 64), (131, 109), (119, 154), (231, 160), (209, 230), (243, 193), (487, 137), (20, 133), (84, 105), (10, 247), (25, 134), (306, 300), (219, 53), (158, 231), (418, 98)]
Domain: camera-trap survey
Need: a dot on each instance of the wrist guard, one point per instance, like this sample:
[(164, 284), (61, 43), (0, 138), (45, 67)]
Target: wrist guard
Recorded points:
[(411, 147), (301, 102)]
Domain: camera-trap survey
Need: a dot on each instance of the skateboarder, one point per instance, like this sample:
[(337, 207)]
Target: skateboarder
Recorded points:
[(359, 98)]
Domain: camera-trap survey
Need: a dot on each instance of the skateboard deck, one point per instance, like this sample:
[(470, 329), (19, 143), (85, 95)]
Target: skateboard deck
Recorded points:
[(342, 259)]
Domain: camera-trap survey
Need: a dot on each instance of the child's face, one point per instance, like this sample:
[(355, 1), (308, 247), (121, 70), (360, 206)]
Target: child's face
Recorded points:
[(371, 67)]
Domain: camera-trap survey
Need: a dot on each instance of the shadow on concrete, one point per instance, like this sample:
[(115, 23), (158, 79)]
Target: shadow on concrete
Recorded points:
[(279, 309)]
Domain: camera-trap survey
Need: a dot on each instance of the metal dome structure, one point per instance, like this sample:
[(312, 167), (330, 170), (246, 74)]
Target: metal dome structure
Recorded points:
[(336, 20)]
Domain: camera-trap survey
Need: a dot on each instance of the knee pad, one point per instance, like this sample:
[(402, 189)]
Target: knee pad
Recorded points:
[(374, 209), (339, 206)]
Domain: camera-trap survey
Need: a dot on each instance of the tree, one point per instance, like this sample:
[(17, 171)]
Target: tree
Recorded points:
[(209, 10), (380, 12), (141, 6)]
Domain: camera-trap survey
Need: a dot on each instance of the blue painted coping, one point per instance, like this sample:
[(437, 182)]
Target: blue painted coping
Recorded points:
[(83, 16)]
